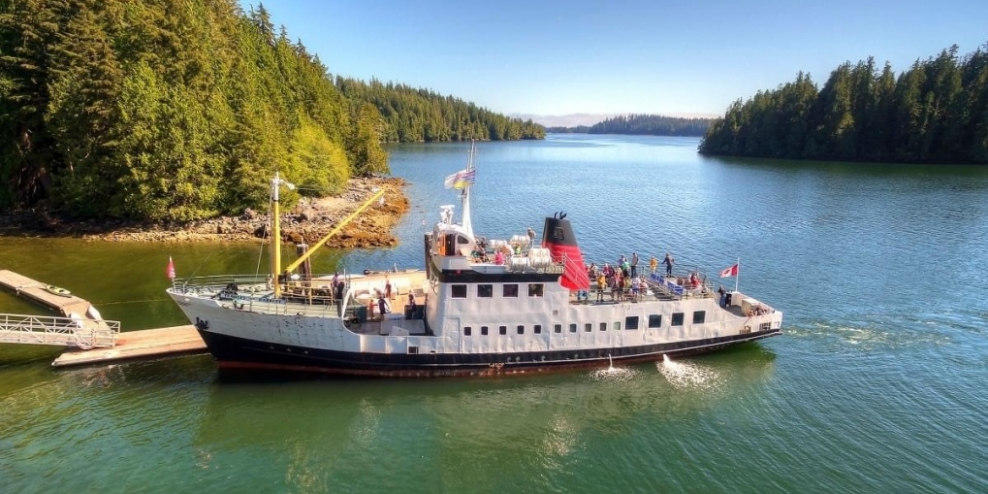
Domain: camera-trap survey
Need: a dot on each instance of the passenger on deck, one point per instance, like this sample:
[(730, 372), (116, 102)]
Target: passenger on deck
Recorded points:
[(635, 288), (653, 263), (531, 237), (383, 305), (723, 295), (592, 272), (668, 261), (601, 283), (387, 288), (634, 264), (499, 258), (411, 300)]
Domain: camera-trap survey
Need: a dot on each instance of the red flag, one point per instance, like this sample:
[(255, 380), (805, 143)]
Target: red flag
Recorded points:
[(170, 271), (731, 271)]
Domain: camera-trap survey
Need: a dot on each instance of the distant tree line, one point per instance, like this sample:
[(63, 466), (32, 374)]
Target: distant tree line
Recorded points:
[(178, 110), (420, 115), (935, 112), (656, 125)]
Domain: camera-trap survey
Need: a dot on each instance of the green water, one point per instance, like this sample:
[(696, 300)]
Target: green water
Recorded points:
[(878, 384)]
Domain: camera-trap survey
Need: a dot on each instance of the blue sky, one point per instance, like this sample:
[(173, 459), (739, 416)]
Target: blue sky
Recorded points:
[(608, 57)]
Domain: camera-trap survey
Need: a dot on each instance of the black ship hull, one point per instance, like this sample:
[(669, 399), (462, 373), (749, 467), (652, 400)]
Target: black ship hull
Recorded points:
[(242, 354)]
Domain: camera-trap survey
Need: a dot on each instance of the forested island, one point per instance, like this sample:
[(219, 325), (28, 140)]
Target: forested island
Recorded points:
[(656, 125), (174, 111), (935, 112), (421, 115)]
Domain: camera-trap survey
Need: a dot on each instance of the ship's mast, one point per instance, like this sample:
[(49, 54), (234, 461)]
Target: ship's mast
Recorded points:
[(276, 231), (467, 225)]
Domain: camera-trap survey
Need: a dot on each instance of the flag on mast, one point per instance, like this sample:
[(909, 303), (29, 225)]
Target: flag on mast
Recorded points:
[(170, 271), (731, 271), (461, 179)]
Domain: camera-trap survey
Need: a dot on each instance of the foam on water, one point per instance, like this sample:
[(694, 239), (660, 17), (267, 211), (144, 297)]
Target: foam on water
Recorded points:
[(687, 375), (612, 373)]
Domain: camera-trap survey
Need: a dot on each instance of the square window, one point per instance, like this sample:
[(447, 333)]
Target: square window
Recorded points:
[(459, 291), (521, 329), (617, 326), (502, 330), (572, 328), (485, 291), (677, 318), (483, 330), (603, 326), (510, 291), (631, 322), (655, 321), (587, 328), (467, 330), (699, 316), (558, 328), (536, 289), (765, 326), (538, 329)]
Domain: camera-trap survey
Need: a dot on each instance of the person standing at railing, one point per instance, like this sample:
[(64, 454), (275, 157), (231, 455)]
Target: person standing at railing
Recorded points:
[(668, 261), (653, 264), (634, 264)]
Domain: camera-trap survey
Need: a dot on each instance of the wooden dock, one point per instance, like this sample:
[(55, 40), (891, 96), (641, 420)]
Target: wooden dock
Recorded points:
[(148, 343), (35, 290), (43, 330)]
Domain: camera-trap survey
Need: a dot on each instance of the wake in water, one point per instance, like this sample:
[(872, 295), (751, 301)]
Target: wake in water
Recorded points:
[(687, 375)]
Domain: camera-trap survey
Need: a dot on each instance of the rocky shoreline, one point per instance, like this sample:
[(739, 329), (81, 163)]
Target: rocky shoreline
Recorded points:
[(308, 221)]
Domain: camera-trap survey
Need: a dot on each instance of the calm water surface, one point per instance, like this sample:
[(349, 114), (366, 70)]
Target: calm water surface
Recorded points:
[(878, 385)]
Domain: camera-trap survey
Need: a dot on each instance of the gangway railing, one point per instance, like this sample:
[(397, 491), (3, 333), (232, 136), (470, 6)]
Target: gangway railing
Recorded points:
[(58, 331)]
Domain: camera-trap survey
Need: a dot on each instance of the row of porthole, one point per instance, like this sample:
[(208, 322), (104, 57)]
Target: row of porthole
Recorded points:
[(631, 324)]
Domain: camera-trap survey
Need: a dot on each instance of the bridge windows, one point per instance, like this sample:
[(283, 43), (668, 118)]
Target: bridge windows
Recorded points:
[(458, 291), (510, 291), (631, 322), (485, 291)]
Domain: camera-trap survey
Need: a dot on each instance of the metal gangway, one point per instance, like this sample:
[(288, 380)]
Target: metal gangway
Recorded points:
[(58, 331)]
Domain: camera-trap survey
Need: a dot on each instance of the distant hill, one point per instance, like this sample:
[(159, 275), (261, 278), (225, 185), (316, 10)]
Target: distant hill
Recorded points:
[(658, 125)]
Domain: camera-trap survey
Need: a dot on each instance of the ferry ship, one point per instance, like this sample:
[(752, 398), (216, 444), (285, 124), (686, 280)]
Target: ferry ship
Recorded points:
[(478, 308)]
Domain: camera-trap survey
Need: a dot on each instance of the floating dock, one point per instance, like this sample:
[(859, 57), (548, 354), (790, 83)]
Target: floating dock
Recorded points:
[(83, 326), (148, 343), (37, 291)]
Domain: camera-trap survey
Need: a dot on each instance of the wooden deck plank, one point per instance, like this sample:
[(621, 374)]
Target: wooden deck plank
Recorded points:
[(131, 345)]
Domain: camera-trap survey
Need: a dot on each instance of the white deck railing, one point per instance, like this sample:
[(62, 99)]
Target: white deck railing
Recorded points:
[(58, 331)]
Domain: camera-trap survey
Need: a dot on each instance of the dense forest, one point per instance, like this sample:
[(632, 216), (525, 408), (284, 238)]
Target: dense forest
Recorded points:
[(420, 115), (935, 112), (656, 125), (177, 110)]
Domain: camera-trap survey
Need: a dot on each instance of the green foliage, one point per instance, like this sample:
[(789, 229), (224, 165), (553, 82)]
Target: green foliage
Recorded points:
[(656, 125), (935, 112), (178, 110), (420, 115)]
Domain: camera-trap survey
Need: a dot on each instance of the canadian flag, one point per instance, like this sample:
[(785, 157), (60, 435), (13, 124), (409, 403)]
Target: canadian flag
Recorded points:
[(731, 271), (170, 270)]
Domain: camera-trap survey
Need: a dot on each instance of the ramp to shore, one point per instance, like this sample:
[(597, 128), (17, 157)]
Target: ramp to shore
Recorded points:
[(93, 340)]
